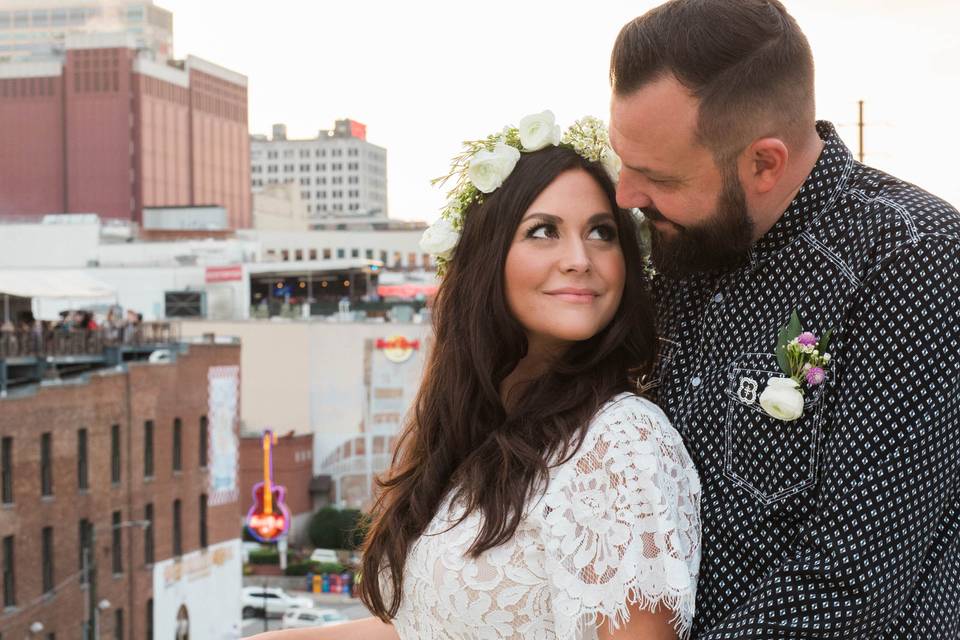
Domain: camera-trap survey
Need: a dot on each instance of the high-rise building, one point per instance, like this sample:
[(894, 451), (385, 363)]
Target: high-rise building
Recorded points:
[(106, 129), (39, 28), (339, 173)]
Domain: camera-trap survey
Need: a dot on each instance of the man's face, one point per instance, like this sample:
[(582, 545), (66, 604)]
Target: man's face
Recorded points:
[(697, 211)]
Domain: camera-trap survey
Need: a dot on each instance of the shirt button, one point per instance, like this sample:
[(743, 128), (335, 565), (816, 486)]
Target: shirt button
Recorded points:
[(718, 298), (695, 381)]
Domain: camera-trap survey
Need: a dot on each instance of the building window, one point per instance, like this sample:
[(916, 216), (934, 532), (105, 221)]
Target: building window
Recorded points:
[(177, 444), (288, 167), (86, 557), (150, 619), (326, 254), (354, 253), (369, 254), (6, 469), (83, 475), (204, 436), (313, 254), (148, 534), (383, 257), (177, 530), (47, 567), (411, 260), (203, 521), (118, 624), (9, 593), (341, 253), (148, 449), (115, 454), (117, 544), (298, 254), (46, 469)]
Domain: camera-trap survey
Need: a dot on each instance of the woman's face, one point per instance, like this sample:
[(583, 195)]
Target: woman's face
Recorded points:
[(564, 273)]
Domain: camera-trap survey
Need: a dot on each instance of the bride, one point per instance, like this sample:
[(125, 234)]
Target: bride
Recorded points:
[(533, 494)]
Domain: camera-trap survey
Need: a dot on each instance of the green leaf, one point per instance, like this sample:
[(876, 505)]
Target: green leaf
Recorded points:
[(781, 350), (824, 342), (794, 328)]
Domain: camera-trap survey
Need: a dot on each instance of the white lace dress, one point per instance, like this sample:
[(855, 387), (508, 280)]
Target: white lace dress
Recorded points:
[(618, 523)]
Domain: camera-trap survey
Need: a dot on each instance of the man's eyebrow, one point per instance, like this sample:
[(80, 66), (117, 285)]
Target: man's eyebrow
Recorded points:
[(651, 173)]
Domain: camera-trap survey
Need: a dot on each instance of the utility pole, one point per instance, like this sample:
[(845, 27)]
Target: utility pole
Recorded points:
[(860, 128)]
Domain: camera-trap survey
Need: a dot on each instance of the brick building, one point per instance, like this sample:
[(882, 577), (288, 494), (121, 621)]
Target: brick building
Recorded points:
[(107, 129), (120, 447)]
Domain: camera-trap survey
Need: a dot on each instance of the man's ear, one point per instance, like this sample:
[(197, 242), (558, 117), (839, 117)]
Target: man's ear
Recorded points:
[(762, 165)]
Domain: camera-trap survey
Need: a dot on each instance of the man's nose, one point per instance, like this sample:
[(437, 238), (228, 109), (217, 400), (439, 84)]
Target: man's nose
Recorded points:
[(630, 196)]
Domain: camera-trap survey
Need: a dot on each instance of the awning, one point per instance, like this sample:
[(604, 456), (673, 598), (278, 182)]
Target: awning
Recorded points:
[(53, 283), (406, 291)]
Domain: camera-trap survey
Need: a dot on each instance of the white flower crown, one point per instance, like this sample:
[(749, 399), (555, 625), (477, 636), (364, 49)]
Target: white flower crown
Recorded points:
[(484, 164)]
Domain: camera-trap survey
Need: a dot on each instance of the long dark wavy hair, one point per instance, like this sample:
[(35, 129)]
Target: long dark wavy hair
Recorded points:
[(461, 437)]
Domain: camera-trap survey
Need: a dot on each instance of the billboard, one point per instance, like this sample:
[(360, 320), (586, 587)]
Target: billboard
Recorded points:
[(199, 594), (223, 412)]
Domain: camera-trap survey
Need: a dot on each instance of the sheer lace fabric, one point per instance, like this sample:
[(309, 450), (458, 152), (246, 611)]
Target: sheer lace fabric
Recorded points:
[(618, 523)]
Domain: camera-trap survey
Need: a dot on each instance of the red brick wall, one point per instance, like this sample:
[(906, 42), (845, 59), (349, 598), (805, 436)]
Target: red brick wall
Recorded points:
[(99, 114), (31, 152), (159, 392)]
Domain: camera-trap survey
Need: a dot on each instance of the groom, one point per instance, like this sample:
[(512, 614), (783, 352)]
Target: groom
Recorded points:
[(843, 522)]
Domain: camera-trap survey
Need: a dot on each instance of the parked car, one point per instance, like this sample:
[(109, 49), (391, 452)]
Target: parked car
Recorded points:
[(303, 618), (324, 555), (272, 601)]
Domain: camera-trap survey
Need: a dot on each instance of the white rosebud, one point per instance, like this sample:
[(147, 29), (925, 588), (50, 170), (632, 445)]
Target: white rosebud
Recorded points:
[(782, 399), (440, 238), (488, 169), (826, 357), (612, 163), (538, 131)]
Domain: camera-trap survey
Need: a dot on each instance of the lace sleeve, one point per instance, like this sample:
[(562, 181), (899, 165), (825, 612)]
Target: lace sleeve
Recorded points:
[(622, 522)]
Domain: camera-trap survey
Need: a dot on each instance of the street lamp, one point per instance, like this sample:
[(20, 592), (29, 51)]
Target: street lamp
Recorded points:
[(36, 627)]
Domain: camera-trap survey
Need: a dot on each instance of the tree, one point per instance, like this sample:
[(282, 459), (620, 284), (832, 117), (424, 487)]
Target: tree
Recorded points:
[(332, 528)]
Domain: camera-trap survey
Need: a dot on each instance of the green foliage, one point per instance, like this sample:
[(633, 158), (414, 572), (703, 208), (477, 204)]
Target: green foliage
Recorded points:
[(265, 556), (316, 568), (332, 528)]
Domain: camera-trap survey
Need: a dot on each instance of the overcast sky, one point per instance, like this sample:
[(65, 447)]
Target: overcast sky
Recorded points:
[(425, 75)]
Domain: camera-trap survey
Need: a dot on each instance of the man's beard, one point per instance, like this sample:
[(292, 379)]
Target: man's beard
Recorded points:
[(719, 242)]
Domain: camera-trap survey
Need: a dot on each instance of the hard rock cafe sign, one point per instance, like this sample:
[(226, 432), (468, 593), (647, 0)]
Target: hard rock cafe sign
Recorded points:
[(397, 348), (269, 517)]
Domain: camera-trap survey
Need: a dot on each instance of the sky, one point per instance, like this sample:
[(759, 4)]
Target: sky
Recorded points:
[(424, 75)]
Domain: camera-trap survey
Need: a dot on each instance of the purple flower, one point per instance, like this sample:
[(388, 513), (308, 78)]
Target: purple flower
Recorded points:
[(815, 375), (807, 339)]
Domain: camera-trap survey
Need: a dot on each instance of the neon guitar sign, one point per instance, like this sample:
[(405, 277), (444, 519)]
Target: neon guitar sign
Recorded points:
[(269, 517)]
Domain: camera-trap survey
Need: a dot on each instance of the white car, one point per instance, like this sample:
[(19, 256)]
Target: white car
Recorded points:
[(303, 618), (324, 555), (272, 601)]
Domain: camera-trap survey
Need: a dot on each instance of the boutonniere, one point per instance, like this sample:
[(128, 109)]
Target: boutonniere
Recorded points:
[(803, 357)]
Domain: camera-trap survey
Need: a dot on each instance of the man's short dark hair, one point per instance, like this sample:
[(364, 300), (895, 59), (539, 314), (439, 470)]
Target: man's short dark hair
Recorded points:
[(746, 61)]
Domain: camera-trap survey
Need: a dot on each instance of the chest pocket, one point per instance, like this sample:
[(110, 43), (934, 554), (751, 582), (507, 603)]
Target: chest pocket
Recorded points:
[(770, 458)]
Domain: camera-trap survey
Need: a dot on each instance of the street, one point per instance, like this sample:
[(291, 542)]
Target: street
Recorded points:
[(352, 609)]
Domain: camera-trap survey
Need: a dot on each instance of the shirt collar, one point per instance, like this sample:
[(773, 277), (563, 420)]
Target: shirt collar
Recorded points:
[(817, 194)]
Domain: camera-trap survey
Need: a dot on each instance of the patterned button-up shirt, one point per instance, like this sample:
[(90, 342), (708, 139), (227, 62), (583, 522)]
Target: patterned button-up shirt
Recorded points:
[(844, 523)]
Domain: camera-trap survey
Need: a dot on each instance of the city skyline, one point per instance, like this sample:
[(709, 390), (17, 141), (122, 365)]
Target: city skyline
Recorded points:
[(457, 72)]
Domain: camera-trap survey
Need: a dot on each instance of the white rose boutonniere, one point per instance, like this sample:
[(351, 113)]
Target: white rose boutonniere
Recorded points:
[(538, 131), (488, 169), (782, 399), (440, 238)]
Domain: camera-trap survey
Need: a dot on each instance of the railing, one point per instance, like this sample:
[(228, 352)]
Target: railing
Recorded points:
[(59, 341)]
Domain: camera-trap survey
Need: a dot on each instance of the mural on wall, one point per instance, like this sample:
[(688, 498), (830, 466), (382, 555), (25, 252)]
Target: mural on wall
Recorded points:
[(223, 411)]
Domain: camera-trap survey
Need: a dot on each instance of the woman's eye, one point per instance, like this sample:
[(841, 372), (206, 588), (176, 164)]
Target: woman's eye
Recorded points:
[(542, 231), (603, 232)]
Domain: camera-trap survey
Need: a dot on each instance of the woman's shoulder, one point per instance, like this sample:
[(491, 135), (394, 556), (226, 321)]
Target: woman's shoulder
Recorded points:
[(628, 415)]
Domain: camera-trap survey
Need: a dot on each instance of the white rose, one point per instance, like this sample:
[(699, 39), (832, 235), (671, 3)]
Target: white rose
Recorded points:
[(782, 399), (440, 238), (488, 169), (538, 131), (612, 163)]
